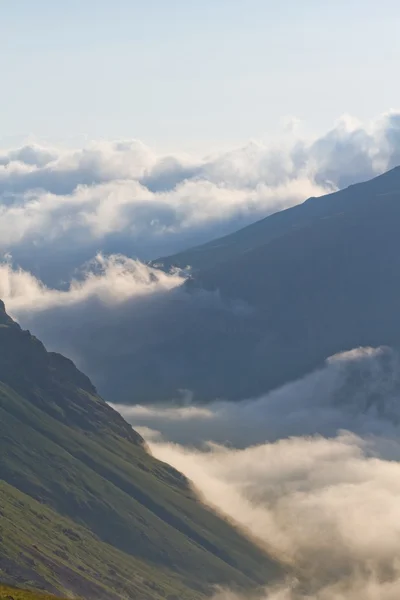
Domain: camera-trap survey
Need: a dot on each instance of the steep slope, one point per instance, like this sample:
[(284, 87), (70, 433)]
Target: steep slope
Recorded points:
[(84, 508), (352, 199), (317, 279)]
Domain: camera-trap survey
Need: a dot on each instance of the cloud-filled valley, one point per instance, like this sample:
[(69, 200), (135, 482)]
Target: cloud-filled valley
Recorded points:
[(358, 389), (309, 471), (74, 223), (327, 508)]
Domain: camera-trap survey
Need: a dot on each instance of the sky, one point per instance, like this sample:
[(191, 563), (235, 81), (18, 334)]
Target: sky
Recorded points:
[(192, 76)]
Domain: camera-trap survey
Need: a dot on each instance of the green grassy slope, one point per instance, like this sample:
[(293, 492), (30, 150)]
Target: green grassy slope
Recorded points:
[(84, 508), (12, 593)]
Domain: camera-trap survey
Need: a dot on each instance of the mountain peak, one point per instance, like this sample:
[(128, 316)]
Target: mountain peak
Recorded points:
[(5, 319)]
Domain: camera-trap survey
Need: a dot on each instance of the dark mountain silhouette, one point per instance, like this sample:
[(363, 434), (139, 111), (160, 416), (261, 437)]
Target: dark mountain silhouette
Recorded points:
[(317, 279), (352, 199)]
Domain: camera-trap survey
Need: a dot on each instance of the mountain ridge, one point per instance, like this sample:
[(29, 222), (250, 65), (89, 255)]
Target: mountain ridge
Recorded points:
[(317, 279), (204, 255)]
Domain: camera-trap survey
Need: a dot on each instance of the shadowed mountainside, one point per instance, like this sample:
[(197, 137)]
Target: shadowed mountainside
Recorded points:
[(317, 279), (84, 508)]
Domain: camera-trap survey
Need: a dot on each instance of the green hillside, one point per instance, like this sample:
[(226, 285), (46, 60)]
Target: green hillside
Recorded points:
[(11, 593), (84, 508)]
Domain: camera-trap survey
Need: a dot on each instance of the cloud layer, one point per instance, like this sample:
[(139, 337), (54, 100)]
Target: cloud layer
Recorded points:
[(357, 390), (58, 208), (322, 500), (327, 508)]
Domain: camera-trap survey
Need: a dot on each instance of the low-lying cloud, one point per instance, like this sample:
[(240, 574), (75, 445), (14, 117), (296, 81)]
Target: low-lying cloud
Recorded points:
[(318, 489), (115, 310), (58, 208), (327, 508), (107, 280), (359, 390)]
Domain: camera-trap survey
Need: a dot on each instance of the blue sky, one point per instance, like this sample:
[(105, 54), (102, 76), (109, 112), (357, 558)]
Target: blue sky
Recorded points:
[(180, 74)]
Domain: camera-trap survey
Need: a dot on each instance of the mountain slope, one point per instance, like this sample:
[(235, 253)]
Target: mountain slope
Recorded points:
[(317, 279), (7, 592), (352, 199), (84, 508)]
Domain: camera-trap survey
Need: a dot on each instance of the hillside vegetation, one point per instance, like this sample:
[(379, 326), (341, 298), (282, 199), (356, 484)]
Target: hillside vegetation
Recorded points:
[(12, 593), (84, 508)]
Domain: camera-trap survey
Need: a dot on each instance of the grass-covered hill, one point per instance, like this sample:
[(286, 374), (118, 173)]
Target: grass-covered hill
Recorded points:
[(84, 508), (12, 593)]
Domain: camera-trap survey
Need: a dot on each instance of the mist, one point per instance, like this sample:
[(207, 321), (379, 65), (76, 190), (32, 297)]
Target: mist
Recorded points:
[(309, 472), (358, 389)]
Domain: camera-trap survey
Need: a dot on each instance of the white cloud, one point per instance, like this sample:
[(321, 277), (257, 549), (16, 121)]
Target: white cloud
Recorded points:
[(121, 197), (172, 413), (357, 389), (319, 504), (322, 500), (110, 280), (327, 508)]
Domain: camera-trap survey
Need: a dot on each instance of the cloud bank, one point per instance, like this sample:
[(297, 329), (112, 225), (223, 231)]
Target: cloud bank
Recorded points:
[(58, 208), (327, 508), (112, 316), (359, 390), (322, 500), (107, 280)]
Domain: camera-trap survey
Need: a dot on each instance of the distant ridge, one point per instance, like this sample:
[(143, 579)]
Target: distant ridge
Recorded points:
[(261, 232), (319, 278)]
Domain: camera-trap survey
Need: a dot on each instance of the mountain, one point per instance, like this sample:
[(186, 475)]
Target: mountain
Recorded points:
[(85, 509), (298, 286), (355, 198)]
